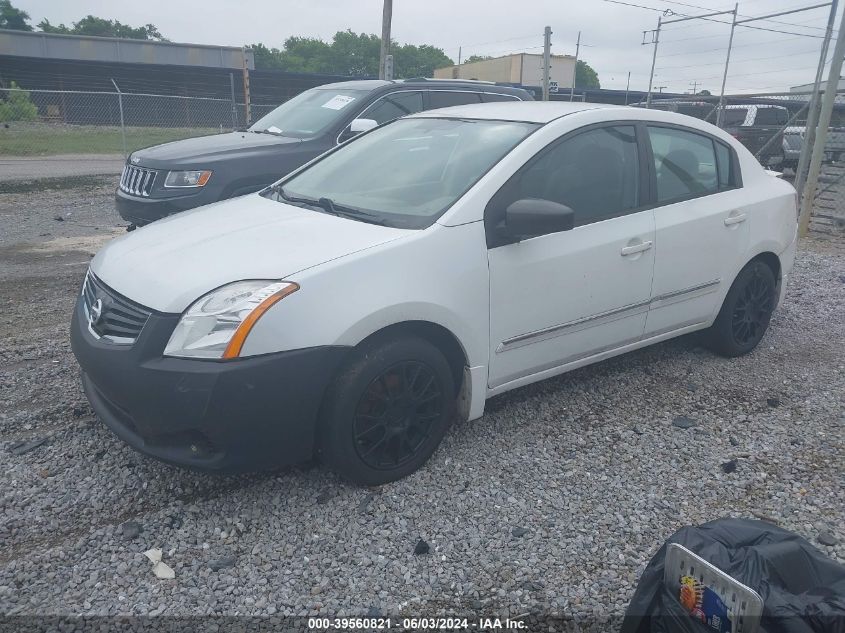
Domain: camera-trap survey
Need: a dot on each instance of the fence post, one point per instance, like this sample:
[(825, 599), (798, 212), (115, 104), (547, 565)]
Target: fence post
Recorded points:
[(234, 102), (122, 126)]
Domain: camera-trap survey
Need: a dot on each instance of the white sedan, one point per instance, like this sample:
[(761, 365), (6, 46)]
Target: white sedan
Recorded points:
[(356, 308)]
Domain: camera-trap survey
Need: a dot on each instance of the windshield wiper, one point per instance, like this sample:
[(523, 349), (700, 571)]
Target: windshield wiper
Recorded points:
[(329, 206), (343, 211)]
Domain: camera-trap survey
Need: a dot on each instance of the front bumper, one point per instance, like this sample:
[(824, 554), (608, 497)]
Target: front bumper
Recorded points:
[(142, 211), (242, 415)]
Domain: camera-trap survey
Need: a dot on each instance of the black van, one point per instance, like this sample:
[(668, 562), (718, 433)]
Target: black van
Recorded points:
[(165, 179)]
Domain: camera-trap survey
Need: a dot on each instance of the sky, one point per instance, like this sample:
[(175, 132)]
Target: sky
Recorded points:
[(690, 54)]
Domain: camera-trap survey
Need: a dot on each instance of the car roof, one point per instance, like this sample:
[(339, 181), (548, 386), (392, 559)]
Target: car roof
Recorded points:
[(437, 84), (527, 111)]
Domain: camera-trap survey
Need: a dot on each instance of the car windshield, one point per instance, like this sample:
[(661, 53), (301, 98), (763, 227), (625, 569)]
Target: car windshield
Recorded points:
[(406, 173), (309, 113)]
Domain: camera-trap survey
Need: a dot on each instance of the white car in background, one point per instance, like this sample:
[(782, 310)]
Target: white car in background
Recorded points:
[(351, 309)]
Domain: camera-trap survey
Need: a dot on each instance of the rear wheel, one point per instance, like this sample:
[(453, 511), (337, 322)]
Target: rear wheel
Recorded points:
[(746, 311), (387, 410)]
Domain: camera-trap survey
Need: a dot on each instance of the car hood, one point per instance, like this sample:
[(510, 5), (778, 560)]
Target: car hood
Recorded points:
[(205, 150), (169, 264)]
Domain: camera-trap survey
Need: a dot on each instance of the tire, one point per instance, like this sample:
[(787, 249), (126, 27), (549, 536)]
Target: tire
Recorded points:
[(387, 410), (746, 312)]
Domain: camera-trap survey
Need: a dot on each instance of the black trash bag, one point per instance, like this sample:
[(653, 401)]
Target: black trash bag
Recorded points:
[(803, 591)]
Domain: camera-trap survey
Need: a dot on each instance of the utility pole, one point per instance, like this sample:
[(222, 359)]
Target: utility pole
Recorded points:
[(720, 113), (459, 55), (575, 72), (660, 89), (387, 16), (627, 87), (388, 67), (815, 104), (694, 87), (655, 39), (547, 56), (809, 193)]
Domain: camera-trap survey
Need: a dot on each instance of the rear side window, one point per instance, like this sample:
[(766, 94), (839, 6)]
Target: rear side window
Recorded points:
[(393, 106), (684, 164), (446, 98), (771, 116), (735, 116), (724, 166), (487, 97)]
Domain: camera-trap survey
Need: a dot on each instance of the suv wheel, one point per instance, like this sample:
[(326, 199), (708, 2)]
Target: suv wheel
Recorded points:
[(746, 311), (387, 410)]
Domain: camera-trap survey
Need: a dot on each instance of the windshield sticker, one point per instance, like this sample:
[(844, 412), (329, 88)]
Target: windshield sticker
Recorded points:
[(338, 102)]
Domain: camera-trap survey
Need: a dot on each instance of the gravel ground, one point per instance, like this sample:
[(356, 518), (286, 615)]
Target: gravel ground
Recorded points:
[(552, 503)]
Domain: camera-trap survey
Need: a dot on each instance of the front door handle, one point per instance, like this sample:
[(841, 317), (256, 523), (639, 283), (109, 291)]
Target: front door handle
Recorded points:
[(735, 219), (636, 248)]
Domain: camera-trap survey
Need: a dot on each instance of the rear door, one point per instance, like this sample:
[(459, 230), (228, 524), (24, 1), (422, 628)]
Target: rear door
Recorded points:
[(701, 225)]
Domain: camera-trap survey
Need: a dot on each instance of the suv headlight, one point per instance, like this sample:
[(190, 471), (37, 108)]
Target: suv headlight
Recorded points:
[(187, 178), (217, 324)]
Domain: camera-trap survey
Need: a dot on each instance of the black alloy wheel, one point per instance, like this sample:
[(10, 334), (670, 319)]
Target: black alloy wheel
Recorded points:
[(387, 409), (752, 311), (396, 413), (746, 311)]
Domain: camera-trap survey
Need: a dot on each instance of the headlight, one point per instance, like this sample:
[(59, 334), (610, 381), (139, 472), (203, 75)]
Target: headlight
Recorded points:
[(217, 325), (187, 178)]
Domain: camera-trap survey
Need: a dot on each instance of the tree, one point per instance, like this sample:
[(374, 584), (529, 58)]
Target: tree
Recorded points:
[(705, 93), (477, 58), (17, 105), (12, 18), (585, 76), (349, 53), (101, 27)]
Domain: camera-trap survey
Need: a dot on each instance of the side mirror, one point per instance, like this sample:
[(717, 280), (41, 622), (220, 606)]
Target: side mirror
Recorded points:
[(362, 125), (530, 217), (356, 127)]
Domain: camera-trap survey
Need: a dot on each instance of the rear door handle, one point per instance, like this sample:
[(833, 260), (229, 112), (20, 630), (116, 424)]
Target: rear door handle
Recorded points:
[(636, 248), (735, 219)]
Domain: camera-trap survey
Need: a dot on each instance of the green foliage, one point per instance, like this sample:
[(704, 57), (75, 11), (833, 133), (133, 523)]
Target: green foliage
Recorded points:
[(12, 18), (349, 53), (705, 93), (17, 106), (477, 58), (585, 76), (100, 27)]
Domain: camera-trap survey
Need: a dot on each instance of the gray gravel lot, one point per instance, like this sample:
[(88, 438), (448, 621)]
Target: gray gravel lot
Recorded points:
[(553, 502)]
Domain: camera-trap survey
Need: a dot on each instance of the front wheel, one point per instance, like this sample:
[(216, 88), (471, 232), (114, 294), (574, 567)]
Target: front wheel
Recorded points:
[(746, 312), (387, 410)]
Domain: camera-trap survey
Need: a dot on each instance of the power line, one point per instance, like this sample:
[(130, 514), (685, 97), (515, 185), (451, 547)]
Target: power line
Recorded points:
[(740, 61), (747, 26)]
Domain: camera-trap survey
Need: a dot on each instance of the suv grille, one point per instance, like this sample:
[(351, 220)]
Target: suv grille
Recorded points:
[(137, 181), (110, 315)]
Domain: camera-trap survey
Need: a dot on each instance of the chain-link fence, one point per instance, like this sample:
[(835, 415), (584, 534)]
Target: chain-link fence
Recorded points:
[(55, 133)]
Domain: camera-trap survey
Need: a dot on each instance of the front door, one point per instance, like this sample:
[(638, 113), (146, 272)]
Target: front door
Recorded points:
[(561, 297)]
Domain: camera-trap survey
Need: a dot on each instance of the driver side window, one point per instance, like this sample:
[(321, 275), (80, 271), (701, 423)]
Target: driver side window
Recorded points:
[(595, 173)]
